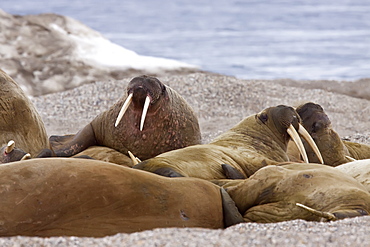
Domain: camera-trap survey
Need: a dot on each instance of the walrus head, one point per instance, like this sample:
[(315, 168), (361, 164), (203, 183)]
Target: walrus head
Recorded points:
[(286, 122), (143, 92), (318, 125), (10, 153)]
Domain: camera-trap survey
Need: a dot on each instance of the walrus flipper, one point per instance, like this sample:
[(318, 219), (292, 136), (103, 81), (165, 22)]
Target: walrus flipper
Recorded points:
[(231, 213), (45, 153), (69, 145), (232, 173), (167, 172)]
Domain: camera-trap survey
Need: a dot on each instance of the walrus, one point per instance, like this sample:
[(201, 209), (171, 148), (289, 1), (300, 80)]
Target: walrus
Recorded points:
[(359, 170), (333, 149), (150, 119), (19, 119), (311, 192), (108, 155), (83, 197), (10, 153), (257, 141)]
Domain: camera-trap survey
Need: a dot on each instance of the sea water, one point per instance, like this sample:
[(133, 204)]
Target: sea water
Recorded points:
[(297, 39)]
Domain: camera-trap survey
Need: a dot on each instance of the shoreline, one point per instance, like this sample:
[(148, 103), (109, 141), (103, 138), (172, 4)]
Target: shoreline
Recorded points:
[(220, 102)]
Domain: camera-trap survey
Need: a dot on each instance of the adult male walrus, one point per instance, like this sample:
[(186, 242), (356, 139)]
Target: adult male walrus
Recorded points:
[(150, 119), (298, 191), (334, 150), (257, 141), (19, 120), (82, 197)]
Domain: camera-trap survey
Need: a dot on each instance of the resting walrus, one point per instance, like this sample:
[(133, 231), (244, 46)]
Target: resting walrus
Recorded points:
[(255, 142), (272, 194), (333, 150), (359, 170), (150, 119), (10, 153), (80, 197), (19, 120)]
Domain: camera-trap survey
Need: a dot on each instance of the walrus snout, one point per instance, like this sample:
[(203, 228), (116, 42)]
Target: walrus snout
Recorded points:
[(10, 153)]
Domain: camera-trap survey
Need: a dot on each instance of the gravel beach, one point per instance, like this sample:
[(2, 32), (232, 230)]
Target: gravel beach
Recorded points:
[(220, 102)]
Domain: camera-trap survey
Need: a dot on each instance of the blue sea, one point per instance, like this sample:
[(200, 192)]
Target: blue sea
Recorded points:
[(297, 39)]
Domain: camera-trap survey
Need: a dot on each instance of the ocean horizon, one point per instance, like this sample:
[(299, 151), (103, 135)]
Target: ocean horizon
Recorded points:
[(302, 39)]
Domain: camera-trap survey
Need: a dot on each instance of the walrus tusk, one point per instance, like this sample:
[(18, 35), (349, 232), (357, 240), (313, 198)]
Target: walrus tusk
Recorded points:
[(145, 110), (10, 146), (26, 157), (297, 140), (123, 109), (304, 133), (350, 158), (325, 215), (135, 160)]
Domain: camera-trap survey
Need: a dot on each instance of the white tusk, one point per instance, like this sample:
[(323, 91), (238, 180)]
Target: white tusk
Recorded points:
[(325, 215), (350, 158), (26, 157), (123, 109), (134, 159), (10, 146), (145, 110), (304, 133), (297, 140)]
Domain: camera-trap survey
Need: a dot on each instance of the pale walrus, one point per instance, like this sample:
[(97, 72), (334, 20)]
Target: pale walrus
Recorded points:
[(257, 141), (333, 149), (359, 170), (150, 119), (311, 192), (19, 120), (80, 197)]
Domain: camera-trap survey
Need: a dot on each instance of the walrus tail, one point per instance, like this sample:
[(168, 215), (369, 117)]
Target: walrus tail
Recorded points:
[(326, 215)]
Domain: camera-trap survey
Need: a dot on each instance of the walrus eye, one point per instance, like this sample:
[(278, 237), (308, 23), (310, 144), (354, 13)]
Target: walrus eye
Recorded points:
[(263, 117)]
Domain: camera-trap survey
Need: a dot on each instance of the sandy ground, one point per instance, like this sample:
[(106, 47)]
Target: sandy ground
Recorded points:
[(220, 102)]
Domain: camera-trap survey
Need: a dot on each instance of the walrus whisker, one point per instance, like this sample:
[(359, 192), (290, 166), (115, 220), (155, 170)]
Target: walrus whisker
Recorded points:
[(145, 110), (10, 146), (325, 215), (297, 140), (26, 157), (134, 159), (304, 133), (123, 109)]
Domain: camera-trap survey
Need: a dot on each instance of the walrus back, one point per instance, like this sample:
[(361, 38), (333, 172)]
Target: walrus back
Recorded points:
[(19, 119)]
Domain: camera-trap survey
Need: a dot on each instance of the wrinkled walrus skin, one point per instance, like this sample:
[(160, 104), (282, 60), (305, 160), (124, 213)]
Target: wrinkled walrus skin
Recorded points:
[(271, 194), (170, 123), (359, 170), (333, 150), (19, 120), (257, 141), (81, 197)]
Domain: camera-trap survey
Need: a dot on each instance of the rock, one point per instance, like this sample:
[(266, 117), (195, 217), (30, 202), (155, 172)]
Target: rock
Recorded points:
[(50, 53)]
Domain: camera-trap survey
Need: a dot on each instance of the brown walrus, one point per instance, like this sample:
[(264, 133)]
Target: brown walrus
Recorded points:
[(106, 154), (19, 120), (150, 119), (255, 142), (80, 197), (298, 191), (333, 150), (359, 170)]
